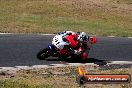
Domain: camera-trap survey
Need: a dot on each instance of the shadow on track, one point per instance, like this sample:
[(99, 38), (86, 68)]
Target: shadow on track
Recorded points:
[(88, 60)]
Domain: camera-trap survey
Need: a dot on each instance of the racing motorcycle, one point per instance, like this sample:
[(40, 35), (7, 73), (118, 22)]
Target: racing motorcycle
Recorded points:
[(61, 48)]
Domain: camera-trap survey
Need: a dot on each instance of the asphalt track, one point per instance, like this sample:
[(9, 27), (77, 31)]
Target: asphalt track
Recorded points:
[(21, 49)]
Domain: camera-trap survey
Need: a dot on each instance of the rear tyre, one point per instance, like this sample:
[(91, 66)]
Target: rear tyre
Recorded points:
[(43, 54)]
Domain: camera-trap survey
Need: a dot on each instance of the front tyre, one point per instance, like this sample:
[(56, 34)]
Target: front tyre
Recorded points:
[(43, 54)]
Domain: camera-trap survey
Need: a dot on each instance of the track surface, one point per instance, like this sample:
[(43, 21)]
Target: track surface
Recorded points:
[(20, 50)]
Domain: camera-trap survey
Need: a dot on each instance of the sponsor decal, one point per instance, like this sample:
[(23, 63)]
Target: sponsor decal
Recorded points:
[(101, 78)]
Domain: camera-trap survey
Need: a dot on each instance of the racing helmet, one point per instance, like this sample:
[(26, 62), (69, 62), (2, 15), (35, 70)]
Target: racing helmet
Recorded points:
[(83, 37)]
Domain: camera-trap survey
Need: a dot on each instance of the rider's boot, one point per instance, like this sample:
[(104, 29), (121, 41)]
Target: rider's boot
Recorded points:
[(84, 55)]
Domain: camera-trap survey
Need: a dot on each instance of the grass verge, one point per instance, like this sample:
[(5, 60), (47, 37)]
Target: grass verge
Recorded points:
[(97, 17)]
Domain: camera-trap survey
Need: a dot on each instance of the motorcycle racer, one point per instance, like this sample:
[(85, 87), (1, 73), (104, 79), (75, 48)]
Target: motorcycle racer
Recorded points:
[(68, 43), (84, 44), (80, 42)]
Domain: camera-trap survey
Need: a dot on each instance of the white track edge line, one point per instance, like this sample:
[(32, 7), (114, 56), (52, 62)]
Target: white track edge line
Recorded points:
[(54, 34), (60, 65)]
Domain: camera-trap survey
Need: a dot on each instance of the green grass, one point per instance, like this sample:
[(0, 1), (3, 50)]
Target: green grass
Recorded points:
[(48, 16)]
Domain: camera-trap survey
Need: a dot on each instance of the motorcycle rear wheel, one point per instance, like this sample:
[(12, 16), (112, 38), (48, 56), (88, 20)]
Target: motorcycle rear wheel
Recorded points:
[(43, 54)]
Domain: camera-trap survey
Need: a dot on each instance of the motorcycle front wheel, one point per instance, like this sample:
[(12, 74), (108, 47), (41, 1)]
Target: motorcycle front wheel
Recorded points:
[(43, 54)]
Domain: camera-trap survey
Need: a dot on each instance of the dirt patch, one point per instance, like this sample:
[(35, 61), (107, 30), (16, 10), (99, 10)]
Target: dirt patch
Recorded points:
[(60, 77)]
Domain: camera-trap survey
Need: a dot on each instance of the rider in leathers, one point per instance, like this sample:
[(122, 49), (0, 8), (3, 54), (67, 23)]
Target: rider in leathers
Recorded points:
[(79, 42)]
